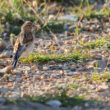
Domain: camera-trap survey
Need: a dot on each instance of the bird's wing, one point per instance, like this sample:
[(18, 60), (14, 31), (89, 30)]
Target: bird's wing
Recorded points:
[(18, 53), (18, 49), (18, 42)]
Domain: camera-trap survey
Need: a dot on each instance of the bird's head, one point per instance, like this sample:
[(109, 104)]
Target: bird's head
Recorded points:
[(28, 26)]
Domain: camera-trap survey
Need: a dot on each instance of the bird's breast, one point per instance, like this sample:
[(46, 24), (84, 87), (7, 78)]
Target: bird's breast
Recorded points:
[(28, 50)]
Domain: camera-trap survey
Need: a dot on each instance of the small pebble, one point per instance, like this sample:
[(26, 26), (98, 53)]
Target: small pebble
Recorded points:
[(54, 103)]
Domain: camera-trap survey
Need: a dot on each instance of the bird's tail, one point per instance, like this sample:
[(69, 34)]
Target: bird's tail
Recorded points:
[(15, 60), (17, 55), (14, 63)]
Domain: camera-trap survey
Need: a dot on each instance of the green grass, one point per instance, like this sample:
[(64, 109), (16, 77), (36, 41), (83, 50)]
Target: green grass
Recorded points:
[(73, 86), (76, 56), (100, 42), (89, 13), (102, 77), (93, 45)]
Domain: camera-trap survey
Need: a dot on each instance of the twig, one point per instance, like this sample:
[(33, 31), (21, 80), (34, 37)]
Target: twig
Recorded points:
[(42, 22)]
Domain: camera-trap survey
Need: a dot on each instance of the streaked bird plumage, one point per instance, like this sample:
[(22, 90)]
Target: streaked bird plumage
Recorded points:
[(24, 43)]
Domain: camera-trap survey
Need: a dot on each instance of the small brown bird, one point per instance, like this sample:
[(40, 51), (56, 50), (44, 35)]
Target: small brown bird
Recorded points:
[(25, 42)]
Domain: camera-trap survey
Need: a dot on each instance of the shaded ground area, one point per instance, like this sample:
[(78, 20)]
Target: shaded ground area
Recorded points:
[(72, 66)]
